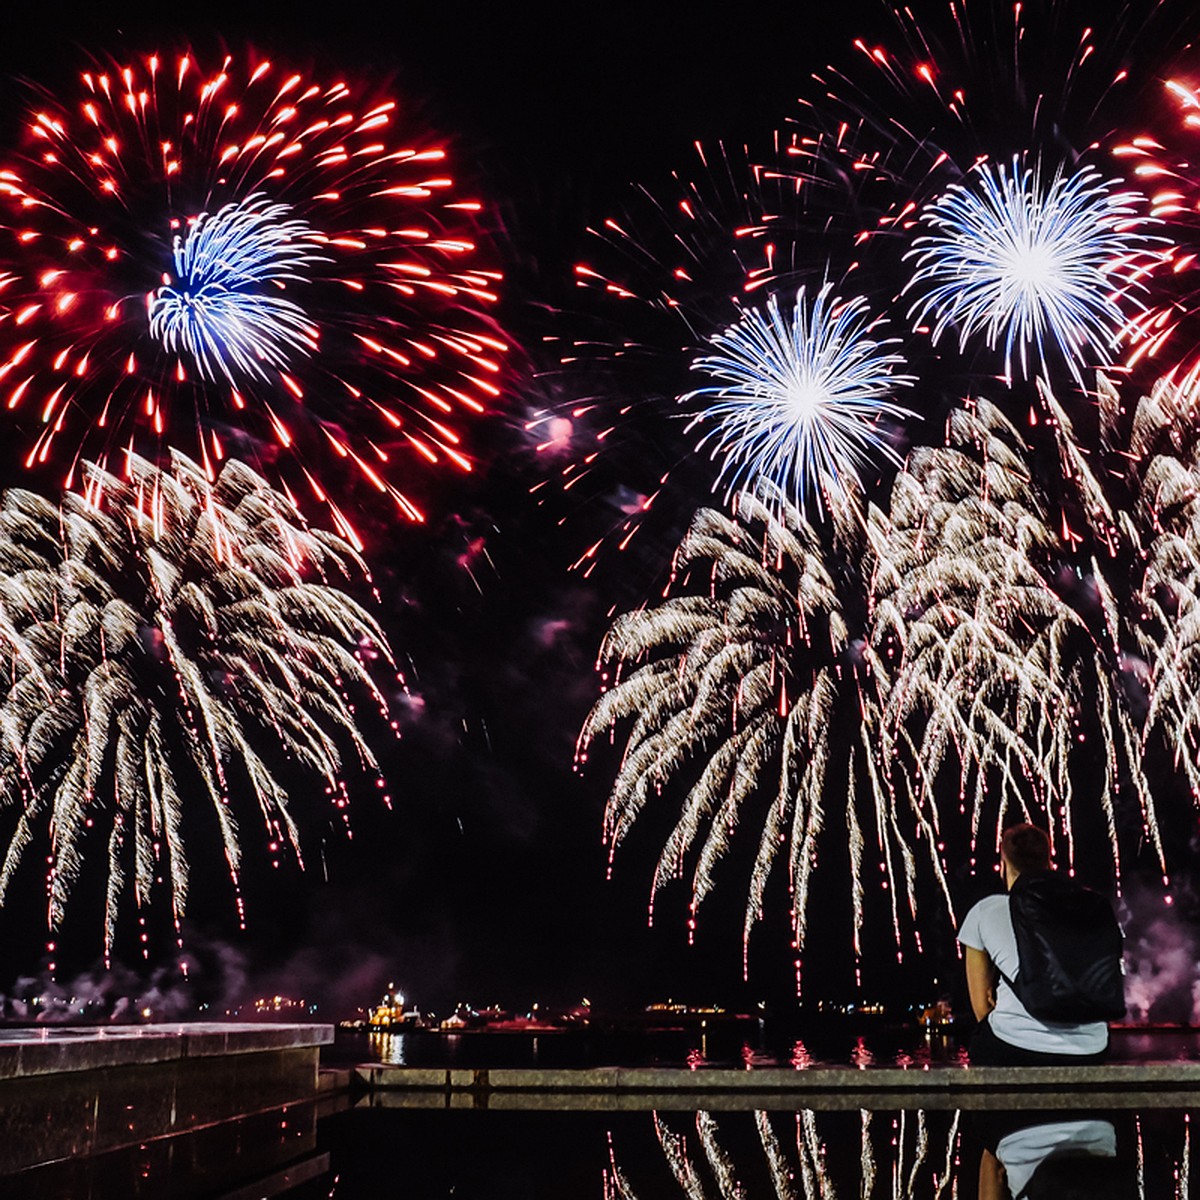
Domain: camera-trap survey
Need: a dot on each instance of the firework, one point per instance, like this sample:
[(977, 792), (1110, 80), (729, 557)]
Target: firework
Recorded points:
[(799, 397), (1000, 667), (215, 311), (1037, 266), (170, 641), (987, 146), (242, 260), (709, 257), (990, 631), (762, 674), (994, 636), (1000, 139), (1149, 624), (1161, 159), (838, 194)]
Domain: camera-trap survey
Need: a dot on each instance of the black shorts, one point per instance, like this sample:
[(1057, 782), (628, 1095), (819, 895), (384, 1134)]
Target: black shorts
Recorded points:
[(987, 1050)]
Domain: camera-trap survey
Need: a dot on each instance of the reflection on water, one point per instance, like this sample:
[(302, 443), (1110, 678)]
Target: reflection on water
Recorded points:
[(1053, 1158), (373, 1152), (276, 1151), (901, 1154), (767, 1046), (941, 1155), (695, 1049)]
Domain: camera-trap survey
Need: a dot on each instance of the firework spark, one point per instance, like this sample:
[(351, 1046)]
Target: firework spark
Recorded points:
[(1000, 667), (1161, 159), (977, 640), (663, 280), (1037, 266), (765, 678), (216, 310), (799, 397), (168, 639), (243, 260)]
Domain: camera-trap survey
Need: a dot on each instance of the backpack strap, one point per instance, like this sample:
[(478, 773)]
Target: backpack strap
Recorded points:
[(1012, 984)]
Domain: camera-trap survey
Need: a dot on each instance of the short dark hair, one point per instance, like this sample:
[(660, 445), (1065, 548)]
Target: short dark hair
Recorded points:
[(1026, 847)]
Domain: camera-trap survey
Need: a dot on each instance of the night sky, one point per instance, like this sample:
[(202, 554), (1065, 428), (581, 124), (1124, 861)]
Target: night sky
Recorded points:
[(487, 881)]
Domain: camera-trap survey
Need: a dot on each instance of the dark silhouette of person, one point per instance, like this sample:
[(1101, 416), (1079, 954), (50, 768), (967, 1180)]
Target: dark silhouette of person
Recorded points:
[(1052, 1156)]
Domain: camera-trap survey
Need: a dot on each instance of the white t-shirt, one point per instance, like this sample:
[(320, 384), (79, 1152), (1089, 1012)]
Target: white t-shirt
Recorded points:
[(1023, 1151), (988, 927)]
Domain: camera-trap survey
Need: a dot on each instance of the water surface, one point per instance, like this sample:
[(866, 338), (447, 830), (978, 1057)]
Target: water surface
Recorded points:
[(825, 1044), (370, 1152)]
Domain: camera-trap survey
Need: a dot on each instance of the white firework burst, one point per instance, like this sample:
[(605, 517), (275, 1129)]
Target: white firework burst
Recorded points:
[(800, 396), (169, 642), (220, 309), (1034, 265), (767, 682), (933, 670)]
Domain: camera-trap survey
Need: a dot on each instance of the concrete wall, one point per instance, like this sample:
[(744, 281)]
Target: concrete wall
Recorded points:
[(70, 1094)]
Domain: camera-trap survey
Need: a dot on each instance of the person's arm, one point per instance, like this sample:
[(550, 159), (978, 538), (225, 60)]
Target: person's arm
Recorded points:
[(981, 982), (992, 1185)]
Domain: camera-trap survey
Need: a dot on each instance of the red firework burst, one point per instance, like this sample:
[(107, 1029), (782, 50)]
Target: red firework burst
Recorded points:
[(349, 324)]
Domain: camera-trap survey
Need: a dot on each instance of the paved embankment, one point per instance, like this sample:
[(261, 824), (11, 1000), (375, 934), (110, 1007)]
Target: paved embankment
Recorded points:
[(69, 1093), (59, 1049), (1151, 1085)]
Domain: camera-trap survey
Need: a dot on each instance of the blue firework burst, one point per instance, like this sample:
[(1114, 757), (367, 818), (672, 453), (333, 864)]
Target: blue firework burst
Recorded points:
[(800, 395), (220, 308), (1034, 265)]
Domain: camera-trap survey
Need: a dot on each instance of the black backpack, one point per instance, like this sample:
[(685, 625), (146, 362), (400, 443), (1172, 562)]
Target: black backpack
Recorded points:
[(1069, 947)]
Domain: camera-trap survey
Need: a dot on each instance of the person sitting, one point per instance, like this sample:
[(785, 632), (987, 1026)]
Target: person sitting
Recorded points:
[(1008, 1035)]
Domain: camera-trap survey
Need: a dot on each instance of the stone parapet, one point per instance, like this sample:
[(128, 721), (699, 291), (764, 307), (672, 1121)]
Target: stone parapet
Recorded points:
[(68, 1093), (1146, 1085), (56, 1049)]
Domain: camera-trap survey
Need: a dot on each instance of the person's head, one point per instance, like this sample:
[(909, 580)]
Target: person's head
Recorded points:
[(1024, 848)]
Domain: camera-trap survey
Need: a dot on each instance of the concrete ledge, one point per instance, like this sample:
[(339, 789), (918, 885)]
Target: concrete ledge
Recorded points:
[(53, 1050), (332, 1080), (748, 1101), (953, 1080)]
